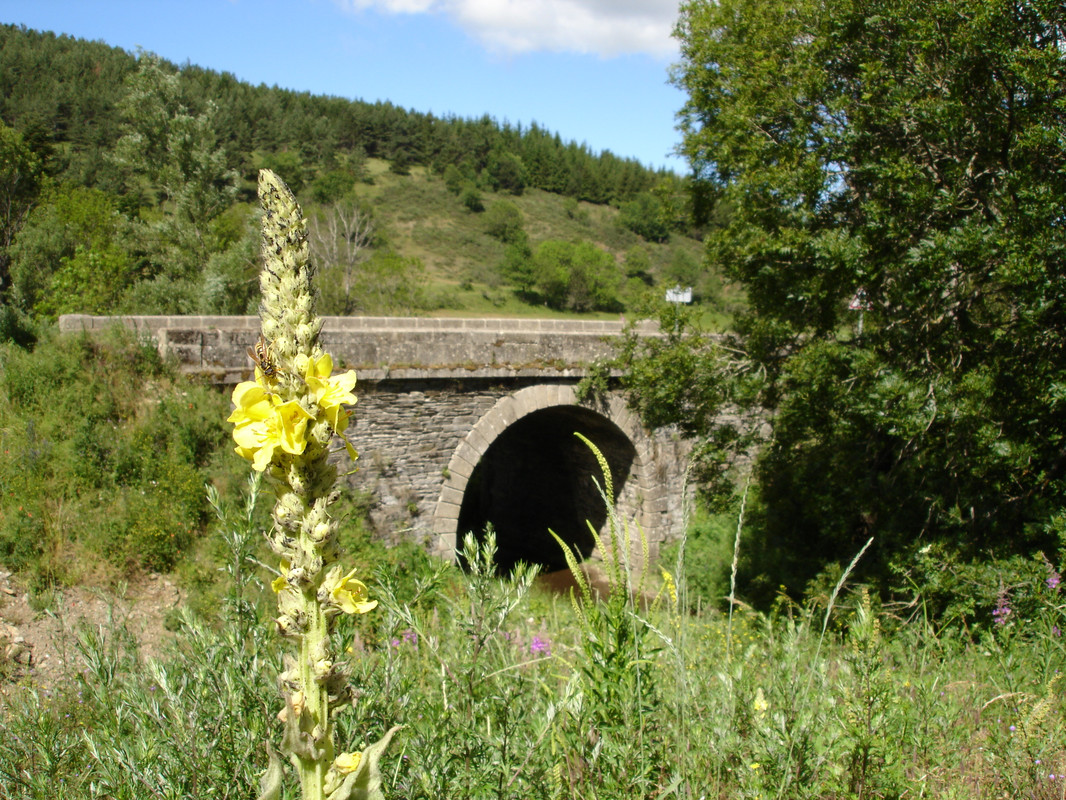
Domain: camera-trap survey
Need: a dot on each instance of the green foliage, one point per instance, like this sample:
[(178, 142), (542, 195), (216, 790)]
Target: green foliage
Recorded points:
[(638, 264), (708, 552), (171, 150), (908, 153), (453, 178), (331, 186), (91, 281), (20, 174), (506, 172), (16, 328), (518, 267), (508, 693), (580, 276), (72, 234), (644, 216), (575, 212), (229, 284), (608, 730), (177, 153), (104, 452), (471, 199), (288, 163), (503, 221), (385, 283)]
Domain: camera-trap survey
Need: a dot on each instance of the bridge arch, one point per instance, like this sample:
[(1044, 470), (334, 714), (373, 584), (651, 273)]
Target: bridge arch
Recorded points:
[(521, 468)]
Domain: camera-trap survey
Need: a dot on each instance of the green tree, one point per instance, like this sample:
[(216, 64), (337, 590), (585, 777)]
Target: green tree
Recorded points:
[(470, 197), (176, 152), (71, 229), (644, 216), (90, 282), (638, 264), (287, 163), (20, 175), (578, 277), (389, 283), (913, 151), (506, 172), (329, 187), (503, 221)]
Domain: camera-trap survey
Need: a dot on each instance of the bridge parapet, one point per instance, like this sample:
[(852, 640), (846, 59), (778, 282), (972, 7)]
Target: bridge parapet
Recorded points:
[(386, 347)]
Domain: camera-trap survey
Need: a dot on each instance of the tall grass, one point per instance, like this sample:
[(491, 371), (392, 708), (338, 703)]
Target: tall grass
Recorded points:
[(507, 692), (510, 693), (502, 698)]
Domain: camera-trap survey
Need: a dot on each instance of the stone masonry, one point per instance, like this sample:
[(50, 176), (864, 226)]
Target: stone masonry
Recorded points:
[(466, 421)]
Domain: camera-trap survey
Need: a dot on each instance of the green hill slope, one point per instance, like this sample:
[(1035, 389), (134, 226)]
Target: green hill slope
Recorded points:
[(130, 184)]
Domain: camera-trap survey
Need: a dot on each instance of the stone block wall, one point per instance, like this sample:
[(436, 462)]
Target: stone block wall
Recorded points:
[(436, 394)]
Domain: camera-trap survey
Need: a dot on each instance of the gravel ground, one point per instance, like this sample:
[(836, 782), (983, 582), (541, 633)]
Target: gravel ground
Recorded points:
[(39, 647)]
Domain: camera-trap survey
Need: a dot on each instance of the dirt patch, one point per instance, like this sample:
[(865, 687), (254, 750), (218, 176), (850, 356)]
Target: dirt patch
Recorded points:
[(40, 646)]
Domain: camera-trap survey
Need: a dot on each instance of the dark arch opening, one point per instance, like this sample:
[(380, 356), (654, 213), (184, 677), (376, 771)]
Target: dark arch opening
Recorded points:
[(538, 475)]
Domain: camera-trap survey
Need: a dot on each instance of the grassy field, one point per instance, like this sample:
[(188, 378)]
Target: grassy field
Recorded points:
[(417, 217), (508, 692)]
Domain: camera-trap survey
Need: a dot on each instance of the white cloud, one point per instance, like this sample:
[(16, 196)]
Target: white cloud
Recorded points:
[(604, 27)]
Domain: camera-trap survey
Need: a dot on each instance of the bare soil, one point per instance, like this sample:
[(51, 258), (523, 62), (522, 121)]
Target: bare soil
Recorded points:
[(38, 646)]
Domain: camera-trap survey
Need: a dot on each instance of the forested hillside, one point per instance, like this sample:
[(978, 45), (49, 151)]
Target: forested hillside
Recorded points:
[(128, 185)]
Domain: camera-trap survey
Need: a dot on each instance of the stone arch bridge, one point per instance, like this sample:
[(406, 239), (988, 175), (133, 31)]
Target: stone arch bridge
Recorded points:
[(462, 422)]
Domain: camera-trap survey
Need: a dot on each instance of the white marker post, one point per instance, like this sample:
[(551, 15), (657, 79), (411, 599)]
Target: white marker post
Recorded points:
[(860, 304)]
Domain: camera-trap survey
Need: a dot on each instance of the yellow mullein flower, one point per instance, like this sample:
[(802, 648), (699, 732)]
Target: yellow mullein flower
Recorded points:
[(346, 763), (350, 595), (332, 392), (282, 580), (264, 424)]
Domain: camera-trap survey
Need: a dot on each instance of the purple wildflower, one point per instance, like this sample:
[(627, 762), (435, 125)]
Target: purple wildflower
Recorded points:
[(540, 647), (1053, 580), (410, 637), (1002, 609)]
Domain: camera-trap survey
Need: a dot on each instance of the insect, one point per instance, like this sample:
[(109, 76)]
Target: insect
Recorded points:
[(260, 354)]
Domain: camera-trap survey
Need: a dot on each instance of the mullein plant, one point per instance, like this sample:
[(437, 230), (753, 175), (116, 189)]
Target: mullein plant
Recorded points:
[(285, 421)]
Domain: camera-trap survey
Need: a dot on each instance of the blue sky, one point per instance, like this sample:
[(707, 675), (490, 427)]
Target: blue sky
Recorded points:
[(595, 71)]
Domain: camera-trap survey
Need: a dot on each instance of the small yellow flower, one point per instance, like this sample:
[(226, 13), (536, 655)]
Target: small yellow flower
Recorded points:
[(331, 393), (281, 581), (755, 765), (264, 424), (760, 705), (350, 595), (347, 763), (671, 585)]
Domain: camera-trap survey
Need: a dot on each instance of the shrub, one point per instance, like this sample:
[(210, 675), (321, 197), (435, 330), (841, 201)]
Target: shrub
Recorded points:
[(503, 221), (105, 447)]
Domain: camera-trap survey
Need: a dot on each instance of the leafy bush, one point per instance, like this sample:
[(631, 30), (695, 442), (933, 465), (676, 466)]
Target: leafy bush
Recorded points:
[(72, 253), (644, 216), (105, 449), (707, 558), (578, 277), (470, 197), (503, 221)]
